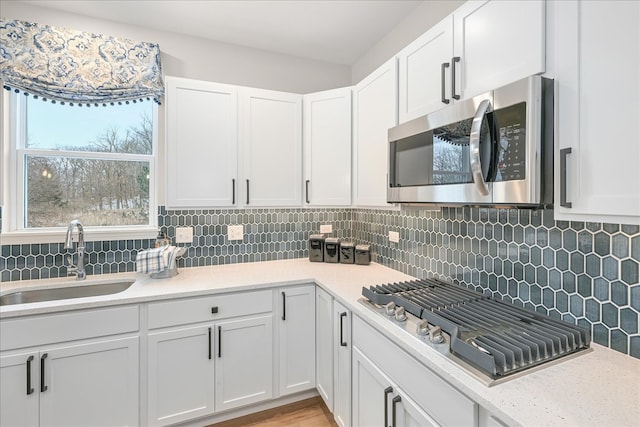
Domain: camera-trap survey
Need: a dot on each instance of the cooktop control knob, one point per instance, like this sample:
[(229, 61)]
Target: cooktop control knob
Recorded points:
[(435, 335), (422, 328), (401, 316), (390, 308)]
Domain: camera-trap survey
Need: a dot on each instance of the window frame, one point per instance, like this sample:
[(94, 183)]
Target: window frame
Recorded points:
[(13, 160)]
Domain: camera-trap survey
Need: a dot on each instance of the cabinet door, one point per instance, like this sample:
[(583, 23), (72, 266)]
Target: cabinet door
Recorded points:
[(602, 174), (498, 42), (91, 384), (201, 143), (297, 339), (407, 412), (180, 374), (375, 106), (324, 346), (342, 364), (19, 390), (327, 142), (244, 362), (372, 393), (271, 138), (424, 72)]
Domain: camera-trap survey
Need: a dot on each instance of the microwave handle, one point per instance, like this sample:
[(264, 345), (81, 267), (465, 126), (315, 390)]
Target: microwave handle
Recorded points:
[(474, 147)]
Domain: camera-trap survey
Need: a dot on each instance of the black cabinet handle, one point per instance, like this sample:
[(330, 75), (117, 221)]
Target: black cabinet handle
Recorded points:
[(563, 177), (209, 343), (233, 191), (284, 306), (342, 316), (395, 401), (247, 192), (386, 400), (306, 183), (43, 386), (453, 77), (443, 68), (219, 342), (29, 388)]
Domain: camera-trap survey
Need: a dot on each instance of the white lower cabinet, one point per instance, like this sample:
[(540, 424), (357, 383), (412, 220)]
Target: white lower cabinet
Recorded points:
[(297, 339), (416, 393), (341, 364), (79, 368), (180, 372), (378, 401), (333, 355), (244, 362), (19, 389), (324, 346), (208, 354), (84, 384)]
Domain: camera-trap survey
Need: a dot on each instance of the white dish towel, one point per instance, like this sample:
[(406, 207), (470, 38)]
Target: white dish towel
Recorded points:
[(155, 260)]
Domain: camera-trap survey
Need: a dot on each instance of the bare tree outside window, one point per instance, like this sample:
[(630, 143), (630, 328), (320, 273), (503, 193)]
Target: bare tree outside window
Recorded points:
[(103, 182)]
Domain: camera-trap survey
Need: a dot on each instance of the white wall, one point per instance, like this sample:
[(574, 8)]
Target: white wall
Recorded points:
[(419, 21), (197, 58)]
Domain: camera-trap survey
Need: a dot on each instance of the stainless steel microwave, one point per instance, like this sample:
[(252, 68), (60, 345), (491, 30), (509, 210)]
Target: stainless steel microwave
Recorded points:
[(494, 149)]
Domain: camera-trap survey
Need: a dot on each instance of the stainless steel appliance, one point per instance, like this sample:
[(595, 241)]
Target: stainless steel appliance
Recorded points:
[(331, 249), (491, 339), (316, 248), (363, 254), (347, 252), (493, 149)]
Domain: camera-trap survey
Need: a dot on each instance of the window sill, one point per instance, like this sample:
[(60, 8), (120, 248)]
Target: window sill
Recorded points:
[(91, 234)]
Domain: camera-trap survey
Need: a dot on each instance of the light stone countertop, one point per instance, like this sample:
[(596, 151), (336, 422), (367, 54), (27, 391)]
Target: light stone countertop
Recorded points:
[(596, 388)]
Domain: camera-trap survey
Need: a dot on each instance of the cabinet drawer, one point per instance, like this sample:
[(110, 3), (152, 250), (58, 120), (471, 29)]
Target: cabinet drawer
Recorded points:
[(202, 309), (47, 329), (437, 398)]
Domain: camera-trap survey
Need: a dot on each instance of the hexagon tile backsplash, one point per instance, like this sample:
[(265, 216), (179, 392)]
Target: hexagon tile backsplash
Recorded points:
[(585, 273)]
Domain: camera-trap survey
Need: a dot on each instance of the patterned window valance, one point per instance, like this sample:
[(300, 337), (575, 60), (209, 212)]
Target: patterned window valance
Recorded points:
[(71, 66)]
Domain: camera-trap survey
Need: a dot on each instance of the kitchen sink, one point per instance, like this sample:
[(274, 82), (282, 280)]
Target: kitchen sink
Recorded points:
[(67, 292)]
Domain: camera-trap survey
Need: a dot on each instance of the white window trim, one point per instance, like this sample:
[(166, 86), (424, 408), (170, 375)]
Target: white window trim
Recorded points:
[(11, 159)]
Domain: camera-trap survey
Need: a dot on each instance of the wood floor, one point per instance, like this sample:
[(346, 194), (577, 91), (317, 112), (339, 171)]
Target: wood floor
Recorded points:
[(306, 413)]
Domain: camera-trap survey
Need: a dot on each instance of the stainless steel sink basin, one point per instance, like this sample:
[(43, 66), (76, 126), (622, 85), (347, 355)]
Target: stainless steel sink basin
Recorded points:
[(51, 294)]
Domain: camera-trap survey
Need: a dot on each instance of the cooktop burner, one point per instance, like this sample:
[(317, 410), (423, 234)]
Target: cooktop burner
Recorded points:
[(497, 338)]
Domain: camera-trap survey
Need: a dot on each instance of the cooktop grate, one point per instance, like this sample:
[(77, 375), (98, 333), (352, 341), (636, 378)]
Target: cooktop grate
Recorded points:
[(498, 338)]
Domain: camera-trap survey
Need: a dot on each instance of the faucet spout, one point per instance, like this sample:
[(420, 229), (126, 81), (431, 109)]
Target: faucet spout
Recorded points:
[(68, 244), (77, 269)]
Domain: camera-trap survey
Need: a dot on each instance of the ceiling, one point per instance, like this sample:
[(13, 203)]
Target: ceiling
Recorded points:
[(335, 31)]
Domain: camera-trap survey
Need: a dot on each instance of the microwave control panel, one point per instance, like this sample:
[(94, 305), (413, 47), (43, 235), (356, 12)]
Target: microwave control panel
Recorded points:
[(511, 158)]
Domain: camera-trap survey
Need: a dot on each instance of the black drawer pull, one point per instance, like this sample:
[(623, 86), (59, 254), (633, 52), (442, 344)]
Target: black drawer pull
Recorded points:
[(453, 77), (29, 388), (342, 316), (563, 178), (43, 386), (386, 406), (395, 401), (219, 342), (284, 306), (209, 343), (443, 69)]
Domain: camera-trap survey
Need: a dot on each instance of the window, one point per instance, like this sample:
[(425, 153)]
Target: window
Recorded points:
[(94, 164)]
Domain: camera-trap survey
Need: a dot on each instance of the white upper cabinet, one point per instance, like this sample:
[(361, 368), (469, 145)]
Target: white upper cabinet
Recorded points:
[(481, 46), (497, 42), (421, 65), (375, 107), (327, 148), (271, 138), (201, 144), (598, 111)]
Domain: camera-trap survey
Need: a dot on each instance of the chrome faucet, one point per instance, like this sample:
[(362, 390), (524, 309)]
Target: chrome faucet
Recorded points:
[(78, 268)]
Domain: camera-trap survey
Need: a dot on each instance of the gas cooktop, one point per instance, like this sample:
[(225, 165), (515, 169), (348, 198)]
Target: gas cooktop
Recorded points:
[(494, 339)]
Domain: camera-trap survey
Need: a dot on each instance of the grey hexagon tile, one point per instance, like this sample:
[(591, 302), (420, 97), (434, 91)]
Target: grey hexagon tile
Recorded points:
[(630, 271)]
